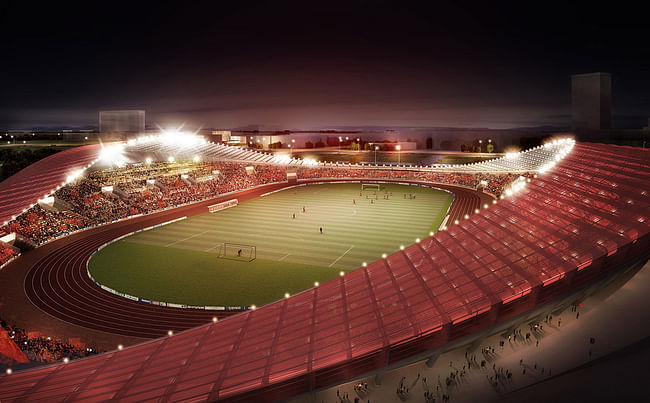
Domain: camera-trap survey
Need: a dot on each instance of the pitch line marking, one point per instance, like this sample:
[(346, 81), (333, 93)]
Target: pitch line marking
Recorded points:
[(338, 258), (284, 257), (212, 247), (185, 239)]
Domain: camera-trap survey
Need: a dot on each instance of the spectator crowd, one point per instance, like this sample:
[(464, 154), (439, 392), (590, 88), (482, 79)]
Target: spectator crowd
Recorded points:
[(140, 188), (42, 349), (7, 252)]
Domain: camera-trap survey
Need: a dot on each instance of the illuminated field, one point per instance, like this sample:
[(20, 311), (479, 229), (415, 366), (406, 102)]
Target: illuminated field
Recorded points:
[(178, 262)]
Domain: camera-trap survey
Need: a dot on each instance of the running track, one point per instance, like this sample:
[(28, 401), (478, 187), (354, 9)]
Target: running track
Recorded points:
[(58, 283)]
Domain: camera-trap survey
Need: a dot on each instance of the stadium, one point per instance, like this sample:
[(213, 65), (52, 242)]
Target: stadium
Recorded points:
[(297, 276)]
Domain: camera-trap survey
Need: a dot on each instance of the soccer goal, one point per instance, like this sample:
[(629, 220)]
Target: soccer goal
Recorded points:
[(237, 251), (370, 186)]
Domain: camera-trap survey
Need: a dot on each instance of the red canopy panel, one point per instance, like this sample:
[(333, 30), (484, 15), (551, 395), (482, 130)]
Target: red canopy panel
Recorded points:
[(29, 185)]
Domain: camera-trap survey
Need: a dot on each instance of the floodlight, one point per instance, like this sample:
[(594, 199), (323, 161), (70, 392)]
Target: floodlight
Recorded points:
[(170, 333), (120, 347)]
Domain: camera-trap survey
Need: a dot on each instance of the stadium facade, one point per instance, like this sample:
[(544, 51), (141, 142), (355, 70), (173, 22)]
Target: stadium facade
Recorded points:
[(580, 215)]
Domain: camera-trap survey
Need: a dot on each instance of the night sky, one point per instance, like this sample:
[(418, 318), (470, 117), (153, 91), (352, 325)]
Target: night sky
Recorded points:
[(306, 65)]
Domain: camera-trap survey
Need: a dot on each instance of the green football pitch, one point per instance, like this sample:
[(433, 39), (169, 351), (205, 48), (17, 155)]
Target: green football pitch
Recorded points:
[(180, 262)]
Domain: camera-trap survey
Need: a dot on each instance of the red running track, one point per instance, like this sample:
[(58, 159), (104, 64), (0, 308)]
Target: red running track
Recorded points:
[(59, 285)]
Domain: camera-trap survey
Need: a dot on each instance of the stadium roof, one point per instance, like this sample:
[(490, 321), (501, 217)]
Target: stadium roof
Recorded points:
[(25, 188), (586, 215), (186, 147)]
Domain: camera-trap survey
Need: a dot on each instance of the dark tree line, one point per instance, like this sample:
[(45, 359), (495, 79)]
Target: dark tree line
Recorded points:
[(14, 160)]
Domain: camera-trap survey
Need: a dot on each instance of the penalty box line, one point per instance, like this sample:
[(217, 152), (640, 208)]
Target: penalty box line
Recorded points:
[(339, 258)]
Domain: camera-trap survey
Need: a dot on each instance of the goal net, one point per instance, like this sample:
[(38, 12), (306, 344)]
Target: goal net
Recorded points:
[(236, 251), (370, 186)]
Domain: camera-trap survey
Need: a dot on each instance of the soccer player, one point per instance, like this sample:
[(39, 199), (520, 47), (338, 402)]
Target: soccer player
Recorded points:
[(294, 215), (303, 209), (354, 201), (239, 253), (321, 230)]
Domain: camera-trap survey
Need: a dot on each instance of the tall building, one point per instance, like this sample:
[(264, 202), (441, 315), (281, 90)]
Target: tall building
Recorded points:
[(591, 101), (121, 122)]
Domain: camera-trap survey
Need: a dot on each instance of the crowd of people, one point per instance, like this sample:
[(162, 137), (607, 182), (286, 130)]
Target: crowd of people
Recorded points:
[(7, 252), (112, 194), (40, 225), (492, 183), (44, 349)]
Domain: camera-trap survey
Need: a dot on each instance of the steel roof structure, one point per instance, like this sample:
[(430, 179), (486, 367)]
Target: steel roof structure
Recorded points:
[(22, 190), (582, 218), (162, 147)]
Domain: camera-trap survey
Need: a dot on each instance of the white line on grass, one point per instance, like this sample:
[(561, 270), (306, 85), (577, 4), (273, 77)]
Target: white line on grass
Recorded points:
[(212, 247), (284, 257), (338, 258), (185, 239)]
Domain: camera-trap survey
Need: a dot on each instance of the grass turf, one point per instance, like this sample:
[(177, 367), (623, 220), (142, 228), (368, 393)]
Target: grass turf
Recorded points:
[(178, 262)]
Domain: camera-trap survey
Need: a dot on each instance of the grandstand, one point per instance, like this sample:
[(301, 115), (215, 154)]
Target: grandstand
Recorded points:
[(565, 215)]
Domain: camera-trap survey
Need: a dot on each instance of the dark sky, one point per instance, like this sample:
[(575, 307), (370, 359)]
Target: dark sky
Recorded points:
[(317, 64)]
